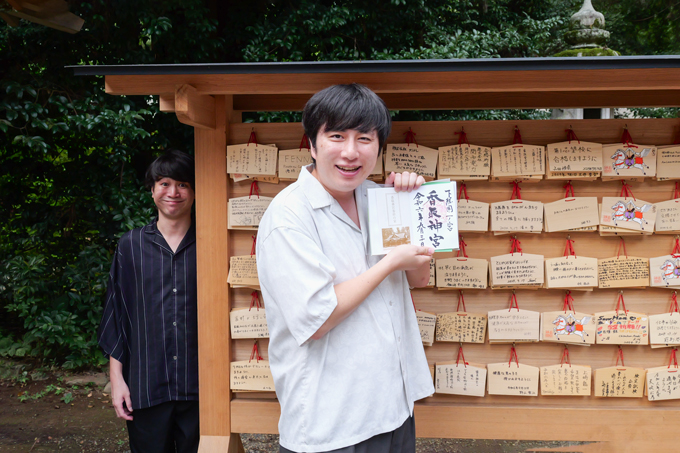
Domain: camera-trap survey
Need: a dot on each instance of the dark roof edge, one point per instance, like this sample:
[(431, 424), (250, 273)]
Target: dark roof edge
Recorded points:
[(312, 67)]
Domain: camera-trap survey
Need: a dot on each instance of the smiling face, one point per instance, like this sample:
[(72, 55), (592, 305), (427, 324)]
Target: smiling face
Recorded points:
[(344, 159), (173, 198)]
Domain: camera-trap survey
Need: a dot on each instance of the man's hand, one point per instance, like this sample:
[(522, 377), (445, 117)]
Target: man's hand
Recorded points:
[(409, 258), (120, 393), (404, 182)]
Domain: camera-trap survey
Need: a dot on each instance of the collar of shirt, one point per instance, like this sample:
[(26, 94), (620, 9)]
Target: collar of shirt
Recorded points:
[(188, 239)]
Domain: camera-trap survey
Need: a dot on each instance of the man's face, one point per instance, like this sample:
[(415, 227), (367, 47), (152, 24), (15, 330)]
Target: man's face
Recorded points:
[(173, 198), (344, 159)]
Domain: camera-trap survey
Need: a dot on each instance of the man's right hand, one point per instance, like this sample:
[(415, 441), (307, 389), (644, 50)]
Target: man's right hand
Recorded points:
[(409, 257), (120, 393)]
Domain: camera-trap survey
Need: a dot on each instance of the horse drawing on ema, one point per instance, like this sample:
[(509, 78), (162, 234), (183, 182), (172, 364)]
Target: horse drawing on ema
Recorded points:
[(570, 326), (630, 212), (670, 270), (630, 159)]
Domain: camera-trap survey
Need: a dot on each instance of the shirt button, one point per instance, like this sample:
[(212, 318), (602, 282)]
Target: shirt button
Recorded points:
[(399, 339), (174, 357), (390, 303), (174, 290), (174, 324)]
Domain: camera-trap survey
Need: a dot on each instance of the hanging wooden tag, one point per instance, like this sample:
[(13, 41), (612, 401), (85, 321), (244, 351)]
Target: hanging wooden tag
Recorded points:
[(291, 161), (461, 327), (663, 383), (432, 281), (460, 379), (518, 160), (246, 212), (664, 329), (520, 216), (248, 323), (508, 326), (426, 324), (515, 379), (243, 272), (668, 162), (462, 273), (622, 327), (668, 217), (252, 159), (565, 380), (574, 156), (464, 160), (619, 382), (664, 271), (518, 270), (569, 213), (572, 272), (628, 213), (571, 328), (623, 161), (251, 376), (623, 272), (473, 216), (400, 157)]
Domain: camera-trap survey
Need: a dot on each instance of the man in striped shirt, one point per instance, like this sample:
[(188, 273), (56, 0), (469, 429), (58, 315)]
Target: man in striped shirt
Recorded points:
[(149, 325)]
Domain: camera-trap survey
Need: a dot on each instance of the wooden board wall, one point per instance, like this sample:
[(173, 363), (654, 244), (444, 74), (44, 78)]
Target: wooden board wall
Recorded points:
[(549, 411)]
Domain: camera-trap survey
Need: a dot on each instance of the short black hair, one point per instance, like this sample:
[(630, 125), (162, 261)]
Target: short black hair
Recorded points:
[(344, 107), (173, 164)]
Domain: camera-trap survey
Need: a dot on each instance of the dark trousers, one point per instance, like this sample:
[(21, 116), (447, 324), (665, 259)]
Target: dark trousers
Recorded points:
[(165, 428), (401, 440)]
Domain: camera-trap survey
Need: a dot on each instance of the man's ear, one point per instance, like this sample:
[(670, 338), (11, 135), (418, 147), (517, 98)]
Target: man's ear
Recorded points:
[(312, 150)]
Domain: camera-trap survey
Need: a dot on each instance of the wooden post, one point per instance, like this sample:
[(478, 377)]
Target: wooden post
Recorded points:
[(212, 249)]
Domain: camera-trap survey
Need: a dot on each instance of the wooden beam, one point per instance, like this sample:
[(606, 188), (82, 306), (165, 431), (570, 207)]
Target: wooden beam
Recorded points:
[(62, 21), (166, 102), (11, 21), (193, 108), (480, 100), (212, 254), (222, 444), (565, 81)]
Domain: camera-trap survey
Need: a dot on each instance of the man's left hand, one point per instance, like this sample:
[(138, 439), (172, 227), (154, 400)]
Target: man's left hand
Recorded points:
[(404, 182)]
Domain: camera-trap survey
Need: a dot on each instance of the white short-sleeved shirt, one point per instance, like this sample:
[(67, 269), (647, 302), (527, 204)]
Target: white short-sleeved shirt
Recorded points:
[(363, 376)]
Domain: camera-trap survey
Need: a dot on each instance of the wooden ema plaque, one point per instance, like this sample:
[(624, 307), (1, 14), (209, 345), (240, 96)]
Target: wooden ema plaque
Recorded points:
[(252, 159), (508, 326), (520, 216), (516, 270), (245, 213), (431, 283), (251, 376), (623, 272), (571, 272), (569, 328), (517, 160), (668, 162), (461, 327), (664, 329), (574, 156), (464, 161), (291, 161), (248, 323), (663, 383), (513, 379), (412, 158), (619, 382), (628, 161), (628, 213), (571, 213), (668, 217), (426, 325), (243, 272), (473, 216), (664, 271), (565, 380), (462, 273), (453, 378), (621, 327)]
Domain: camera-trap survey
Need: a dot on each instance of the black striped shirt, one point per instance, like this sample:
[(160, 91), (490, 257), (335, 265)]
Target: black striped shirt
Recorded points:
[(149, 322)]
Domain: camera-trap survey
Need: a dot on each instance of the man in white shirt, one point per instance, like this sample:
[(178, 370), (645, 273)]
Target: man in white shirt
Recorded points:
[(345, 349)]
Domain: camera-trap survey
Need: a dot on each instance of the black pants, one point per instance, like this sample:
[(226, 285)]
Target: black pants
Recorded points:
[(165, 428), (401, 440)]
